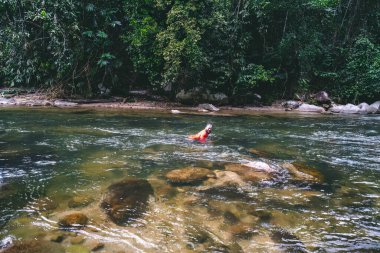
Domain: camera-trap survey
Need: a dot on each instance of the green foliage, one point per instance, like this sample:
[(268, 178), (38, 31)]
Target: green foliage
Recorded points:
[(275, 48), (251, 77), (361, 74)]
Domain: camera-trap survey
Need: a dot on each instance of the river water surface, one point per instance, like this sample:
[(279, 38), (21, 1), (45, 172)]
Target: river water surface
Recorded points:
[(50, 159)]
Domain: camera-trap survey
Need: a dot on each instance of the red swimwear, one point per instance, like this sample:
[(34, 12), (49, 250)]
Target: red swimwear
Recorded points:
[(201, 136)]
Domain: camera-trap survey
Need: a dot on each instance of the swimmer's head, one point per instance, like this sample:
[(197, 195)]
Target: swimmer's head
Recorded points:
[(208, 128)]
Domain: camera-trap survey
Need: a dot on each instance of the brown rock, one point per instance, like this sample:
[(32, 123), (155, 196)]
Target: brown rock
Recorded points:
[(249, 173), (127, 200), (189, 175), (73, 220), (302, 172)]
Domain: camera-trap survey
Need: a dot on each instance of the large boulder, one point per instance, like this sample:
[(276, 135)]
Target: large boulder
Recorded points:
[(375, 106), (365, 108), (127, 200), (189, 175), (347, 109), (252, 172), (310, 108)]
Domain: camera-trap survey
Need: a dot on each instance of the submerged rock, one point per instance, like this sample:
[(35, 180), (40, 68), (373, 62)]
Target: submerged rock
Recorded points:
[(7, 190), (45, 204), (77, 249), (261, 153), (73, 220), (243, 230), (302, 172), (34, 247), (288, 241), (223, 179), (126, 201), (252, 171), (274, 150), (80, 201), (201, 240), (189, 175)]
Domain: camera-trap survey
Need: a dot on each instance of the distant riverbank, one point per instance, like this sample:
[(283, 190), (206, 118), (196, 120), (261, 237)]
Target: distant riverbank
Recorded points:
[(138, 103)]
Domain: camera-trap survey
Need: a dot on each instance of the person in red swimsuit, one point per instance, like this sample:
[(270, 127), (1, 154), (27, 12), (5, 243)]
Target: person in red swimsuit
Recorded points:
[(202, 135)]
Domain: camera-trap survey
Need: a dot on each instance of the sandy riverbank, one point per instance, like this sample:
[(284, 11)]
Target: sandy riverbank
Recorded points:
[(41, 100), (119, 103)]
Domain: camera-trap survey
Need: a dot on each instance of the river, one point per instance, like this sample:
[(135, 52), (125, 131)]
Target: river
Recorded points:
[(54, 162)]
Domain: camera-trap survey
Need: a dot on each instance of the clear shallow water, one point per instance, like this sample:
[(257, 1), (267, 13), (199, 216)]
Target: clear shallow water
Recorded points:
[(47, 157)]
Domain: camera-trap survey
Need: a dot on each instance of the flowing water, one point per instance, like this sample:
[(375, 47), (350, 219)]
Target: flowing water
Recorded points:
[(50, 159)]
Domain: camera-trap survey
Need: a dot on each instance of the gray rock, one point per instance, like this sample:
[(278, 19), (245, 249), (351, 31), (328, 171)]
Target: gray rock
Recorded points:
[(7, 101), (175, 111), (372, 109), (310, 108), (189, 97), (199, 95), (208, 107), (291, 104), (61, 103), (364, 108), (217, 98), (39, 102), (348, 109), (375, 105)]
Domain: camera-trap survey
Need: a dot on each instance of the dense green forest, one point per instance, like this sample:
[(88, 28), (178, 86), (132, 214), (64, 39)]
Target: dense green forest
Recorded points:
[(275, 48)]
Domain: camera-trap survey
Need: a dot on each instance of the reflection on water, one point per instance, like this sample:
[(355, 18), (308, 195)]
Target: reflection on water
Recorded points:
[(321, 194)]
